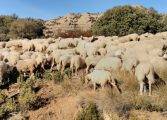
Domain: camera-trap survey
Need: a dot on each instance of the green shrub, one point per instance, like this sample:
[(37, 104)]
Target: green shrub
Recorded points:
[(89, 113), (27, 96), (10, 106), (124, 20)]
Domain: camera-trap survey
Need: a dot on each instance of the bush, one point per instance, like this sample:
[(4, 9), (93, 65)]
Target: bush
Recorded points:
[(14, 27), (27, 96), (89, 113), (25, 28), (124, 20)]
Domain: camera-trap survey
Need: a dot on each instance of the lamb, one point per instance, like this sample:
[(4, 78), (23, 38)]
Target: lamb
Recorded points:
[(76, 62), (109, 63), (142, 71), (101, 77), (92, 61)]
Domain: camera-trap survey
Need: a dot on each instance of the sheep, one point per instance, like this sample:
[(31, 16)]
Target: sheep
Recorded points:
[(55, 55), (109, 63), (160, 65), (52, 47), (15, 43), (28, 46), (25, 66), (40, 47), (26, 55), (130, 37), (102, 51), (92, 61), (129, 63), (63, 62), (142, 71), (12, 58), (101, 77), (76, 62)]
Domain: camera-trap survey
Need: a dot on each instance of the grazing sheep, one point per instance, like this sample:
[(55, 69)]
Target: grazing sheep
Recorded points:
[(142, 71), (160, 65), (129, 63), (101, 77), (28, 46), (12, 58), (64, 61), (26, 66), (109, 63), (76, 62), (91, 61)]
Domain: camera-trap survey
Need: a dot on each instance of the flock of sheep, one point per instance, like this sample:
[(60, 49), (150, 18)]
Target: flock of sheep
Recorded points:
[(142, 55)]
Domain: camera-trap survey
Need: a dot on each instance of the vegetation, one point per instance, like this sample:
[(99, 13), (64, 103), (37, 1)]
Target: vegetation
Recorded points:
[(89, 113), (14, 27), (27, 96), (124, 20)]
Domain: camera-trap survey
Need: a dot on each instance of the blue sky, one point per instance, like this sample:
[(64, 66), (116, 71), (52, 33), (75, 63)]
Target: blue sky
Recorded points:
[(49, 9)]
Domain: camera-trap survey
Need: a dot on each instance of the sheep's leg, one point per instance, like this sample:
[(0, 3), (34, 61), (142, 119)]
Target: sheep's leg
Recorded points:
[(141, 88), (145, 88), (72, 70), (87, 69), (62, 69), (150, 89), (76, 71), (94, 85), (52, 65)]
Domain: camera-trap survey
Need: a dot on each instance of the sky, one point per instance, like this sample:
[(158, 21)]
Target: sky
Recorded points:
[(50, 9)]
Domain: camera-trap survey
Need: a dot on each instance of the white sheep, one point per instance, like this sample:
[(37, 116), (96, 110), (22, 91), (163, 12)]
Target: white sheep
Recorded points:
[(101, 77), (109, 63), (25, 66), (102, 51), (64, 61), (91, 61), (142, 71), (76, 62)]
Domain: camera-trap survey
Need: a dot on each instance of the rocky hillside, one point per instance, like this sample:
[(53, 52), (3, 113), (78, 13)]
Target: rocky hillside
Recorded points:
[(70, 22)]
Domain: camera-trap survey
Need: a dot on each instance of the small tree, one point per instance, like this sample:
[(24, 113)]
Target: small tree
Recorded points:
[(124, 20)]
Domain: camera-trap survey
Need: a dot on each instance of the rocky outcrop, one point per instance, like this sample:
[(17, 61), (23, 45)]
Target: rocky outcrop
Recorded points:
[(70, 22)]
